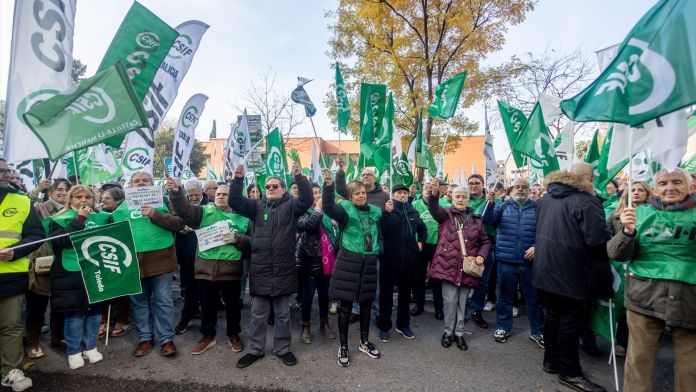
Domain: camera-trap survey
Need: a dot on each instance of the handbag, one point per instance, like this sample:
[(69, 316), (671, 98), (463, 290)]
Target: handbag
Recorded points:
[(328, 256), (469, 265)]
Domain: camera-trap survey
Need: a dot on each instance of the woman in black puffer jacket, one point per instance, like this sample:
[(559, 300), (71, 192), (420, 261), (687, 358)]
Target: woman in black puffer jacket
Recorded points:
[(310, 265)]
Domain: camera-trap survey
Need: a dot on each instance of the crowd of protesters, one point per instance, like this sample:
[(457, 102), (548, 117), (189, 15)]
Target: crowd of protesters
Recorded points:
[(352, 245)]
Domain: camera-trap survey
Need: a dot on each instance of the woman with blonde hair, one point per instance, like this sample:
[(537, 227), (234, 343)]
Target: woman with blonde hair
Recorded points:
[(68, 295), (640, 194)]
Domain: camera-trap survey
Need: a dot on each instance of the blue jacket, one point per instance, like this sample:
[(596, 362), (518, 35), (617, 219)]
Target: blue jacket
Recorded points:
[(515, 227)]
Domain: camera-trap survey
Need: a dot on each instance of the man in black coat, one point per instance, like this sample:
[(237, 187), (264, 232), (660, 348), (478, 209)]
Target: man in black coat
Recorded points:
[(273, 269), (404, 234), (571, 268)]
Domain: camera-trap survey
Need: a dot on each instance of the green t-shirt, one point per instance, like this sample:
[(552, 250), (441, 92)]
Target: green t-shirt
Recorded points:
[(211, 215), (359, 223), (147, 235), (666, 244)]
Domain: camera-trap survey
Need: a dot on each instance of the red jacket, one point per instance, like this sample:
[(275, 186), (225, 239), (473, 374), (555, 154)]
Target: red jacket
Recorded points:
[(447, 262)]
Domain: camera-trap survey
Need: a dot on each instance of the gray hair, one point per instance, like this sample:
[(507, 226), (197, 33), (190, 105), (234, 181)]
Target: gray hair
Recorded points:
[(685, 173), (142, 172), (460, 189), (192, 185)]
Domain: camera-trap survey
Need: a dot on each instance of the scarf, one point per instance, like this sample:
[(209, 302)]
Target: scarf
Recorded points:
[(687, 204)]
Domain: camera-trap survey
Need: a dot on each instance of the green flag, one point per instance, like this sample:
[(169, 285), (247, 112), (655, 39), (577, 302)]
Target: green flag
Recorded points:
[(606, 174), (97, 164), (108, 261), (652, 73), (447, 97), (424, 157), (350, 169), (534, 141), (401, 171), (372, 106), (90, 112), (295, 156), (592, 154), (384, 138), (690, 165), (276, 163), (599, 320), (142, 42), (513, 121), (342, 105)]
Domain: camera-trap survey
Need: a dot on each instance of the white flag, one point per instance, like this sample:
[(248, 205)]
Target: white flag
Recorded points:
[(606, 56), (40, 67), (185, 133), (455, 179), (241, 142), (565, 152), (489, 154), (316, 167), (139, 151), (670, 139)]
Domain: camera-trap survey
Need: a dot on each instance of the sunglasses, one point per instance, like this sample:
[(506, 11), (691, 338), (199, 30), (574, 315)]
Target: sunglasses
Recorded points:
[(272, 186)]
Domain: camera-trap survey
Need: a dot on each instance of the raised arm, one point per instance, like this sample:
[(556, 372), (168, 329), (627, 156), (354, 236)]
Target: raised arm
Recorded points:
[(240, 204), (328, 198), (190, 213), (302, 203), (309, 222), (341, 184)]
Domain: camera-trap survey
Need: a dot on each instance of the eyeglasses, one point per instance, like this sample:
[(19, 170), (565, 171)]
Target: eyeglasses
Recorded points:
[(271, 186), (3, 171), (475, 184)]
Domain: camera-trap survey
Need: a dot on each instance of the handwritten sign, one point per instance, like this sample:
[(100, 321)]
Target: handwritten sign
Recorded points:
[(145, 196), (211, 236)]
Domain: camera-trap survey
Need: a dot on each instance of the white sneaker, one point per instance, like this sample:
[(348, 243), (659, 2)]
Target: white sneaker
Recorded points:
[(76, 361), (16, 380), (92, 355), (489, 307), (515, 312)]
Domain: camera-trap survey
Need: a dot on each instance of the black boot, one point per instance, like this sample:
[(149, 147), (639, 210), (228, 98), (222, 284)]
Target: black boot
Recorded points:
[(580, 383)]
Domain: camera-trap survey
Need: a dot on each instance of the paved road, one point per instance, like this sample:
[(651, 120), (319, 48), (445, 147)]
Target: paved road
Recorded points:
[(416, 365)]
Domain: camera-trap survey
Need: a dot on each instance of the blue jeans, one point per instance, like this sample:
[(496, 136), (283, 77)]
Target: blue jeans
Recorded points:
[(509, 276), (157, 291), (320, 285), (478, 299), (82, 327)]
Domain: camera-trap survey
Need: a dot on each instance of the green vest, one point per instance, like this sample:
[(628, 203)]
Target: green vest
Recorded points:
[(666, 244), (147, 235), (430, 223), (359, 223), (444, 203), (477, 205), (327, 224), (68, 256), (211, 215)]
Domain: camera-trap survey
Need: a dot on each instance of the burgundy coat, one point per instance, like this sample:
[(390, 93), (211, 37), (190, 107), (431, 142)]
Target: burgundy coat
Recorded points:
[(447, 262)]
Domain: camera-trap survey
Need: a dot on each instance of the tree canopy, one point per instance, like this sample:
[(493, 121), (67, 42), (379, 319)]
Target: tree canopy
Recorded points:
[(164, 140), (414, 45)]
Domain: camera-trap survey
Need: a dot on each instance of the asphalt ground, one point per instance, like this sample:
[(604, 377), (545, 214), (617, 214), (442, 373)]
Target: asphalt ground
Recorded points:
[(406, 365)]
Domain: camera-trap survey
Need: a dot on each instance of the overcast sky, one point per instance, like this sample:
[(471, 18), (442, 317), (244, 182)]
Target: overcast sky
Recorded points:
[(247, 37)]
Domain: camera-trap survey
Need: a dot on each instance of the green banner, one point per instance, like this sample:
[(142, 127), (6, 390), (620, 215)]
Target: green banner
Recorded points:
[(447, 97), (91, 112), (690, 165), (383, 139), (592, 154), (372, 107), (401, 171), (535, 142), (513, 121), (599, 320), (424, 156), (652, 73), (276, 162), (142, 42), (108, 261), (342, 105)]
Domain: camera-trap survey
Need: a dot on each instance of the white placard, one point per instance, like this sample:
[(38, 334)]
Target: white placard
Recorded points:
[(145, 196), (211, 236)]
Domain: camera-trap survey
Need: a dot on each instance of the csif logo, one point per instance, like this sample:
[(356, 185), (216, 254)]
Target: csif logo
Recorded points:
[(32, 99), (94, 105), (107, 252), (275, 160), (190, 116), (181, 47), (147, 40), (136, 159), (10, 212)]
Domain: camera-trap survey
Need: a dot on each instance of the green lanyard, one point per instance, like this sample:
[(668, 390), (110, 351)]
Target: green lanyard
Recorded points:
[(266, 210)]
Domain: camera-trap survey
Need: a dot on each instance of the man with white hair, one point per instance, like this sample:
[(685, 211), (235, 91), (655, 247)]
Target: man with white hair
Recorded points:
[(571, 268), (658, 239), (186, 243), (515, 223)]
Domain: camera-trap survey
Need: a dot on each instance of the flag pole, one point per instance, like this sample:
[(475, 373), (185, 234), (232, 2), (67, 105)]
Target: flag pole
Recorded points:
[(77, 174), (612, 357), (108, 323), (630, 168)]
